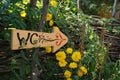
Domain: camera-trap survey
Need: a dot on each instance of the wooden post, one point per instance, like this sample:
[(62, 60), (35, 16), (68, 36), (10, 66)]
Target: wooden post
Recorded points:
[(34, 68), (43, 16), (35, 71)]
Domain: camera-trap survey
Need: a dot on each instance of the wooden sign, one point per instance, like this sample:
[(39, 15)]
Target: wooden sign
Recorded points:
[(22, 39)]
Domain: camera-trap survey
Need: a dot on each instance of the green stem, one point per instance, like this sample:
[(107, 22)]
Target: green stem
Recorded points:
[(106, 54)]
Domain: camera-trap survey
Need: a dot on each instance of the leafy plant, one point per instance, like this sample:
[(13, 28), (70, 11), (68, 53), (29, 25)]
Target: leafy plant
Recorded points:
[(73, 22)]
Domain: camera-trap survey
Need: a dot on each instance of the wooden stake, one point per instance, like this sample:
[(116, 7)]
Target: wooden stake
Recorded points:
[(35, 71)]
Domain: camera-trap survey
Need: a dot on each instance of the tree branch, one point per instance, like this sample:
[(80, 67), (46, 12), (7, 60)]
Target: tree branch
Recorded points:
[(35, 71), (78, 4), (114, 8), (43, 16)]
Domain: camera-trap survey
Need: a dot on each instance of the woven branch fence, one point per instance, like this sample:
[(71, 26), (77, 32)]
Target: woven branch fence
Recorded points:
[(110, 37)]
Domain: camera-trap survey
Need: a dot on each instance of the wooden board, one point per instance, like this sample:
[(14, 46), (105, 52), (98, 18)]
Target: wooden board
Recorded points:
[(22, 39)]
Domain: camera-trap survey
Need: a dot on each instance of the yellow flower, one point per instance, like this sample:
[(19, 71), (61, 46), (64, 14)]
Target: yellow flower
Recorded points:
[(48, 16), (73, 65), (84, 69), (80, 73), (23, 14), (69, 50), (51, 22), (56, 27), (53, 3), (48, 49), (60, 55), (62, 63), (24, 1), (67, 74), (69, 78), (76, 56)]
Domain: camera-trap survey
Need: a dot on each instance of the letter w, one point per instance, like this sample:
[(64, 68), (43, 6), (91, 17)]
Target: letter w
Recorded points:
[(23, 39)]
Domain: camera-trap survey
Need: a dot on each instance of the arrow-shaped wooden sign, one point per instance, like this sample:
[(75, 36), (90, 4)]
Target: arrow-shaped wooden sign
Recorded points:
[(22, 39)]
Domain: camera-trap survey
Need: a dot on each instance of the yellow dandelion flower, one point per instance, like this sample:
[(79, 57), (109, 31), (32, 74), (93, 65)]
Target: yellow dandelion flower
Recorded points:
[(69, 78), (80, 73), (60, 55), (53, 3), (76, 56), (67, 74), (48, 49), (51, 22), (69, 50), (73, 65), (48, 16), (84, 69), (23, 14), (62, 63)]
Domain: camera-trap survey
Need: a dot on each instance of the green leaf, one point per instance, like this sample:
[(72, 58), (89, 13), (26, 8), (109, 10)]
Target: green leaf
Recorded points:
[(13, 62)]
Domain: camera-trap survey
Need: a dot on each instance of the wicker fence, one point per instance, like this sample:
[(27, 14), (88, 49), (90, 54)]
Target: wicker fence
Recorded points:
[(110, 37)]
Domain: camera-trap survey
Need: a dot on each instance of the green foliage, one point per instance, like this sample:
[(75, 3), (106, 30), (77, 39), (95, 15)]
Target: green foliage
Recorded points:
[(92, 6), (70, 21), (49, 70)]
